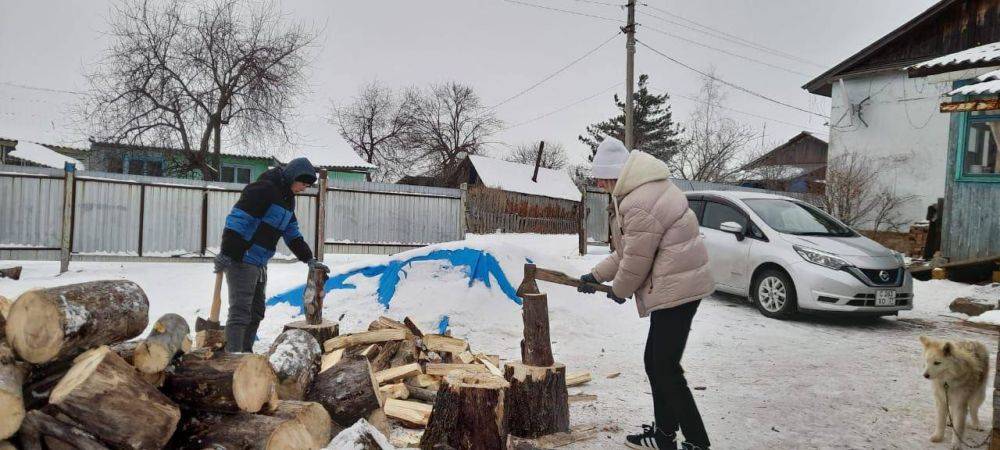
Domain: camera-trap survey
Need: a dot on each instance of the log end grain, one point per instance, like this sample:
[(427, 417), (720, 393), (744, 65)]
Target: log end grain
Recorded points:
[(33, 328), (253, 383)]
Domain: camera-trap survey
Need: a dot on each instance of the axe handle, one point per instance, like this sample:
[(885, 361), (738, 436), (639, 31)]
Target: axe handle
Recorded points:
[(554, 276), (216, 299)]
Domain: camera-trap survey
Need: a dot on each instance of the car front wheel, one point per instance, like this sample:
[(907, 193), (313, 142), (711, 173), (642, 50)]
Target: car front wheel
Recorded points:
[(774, 294)]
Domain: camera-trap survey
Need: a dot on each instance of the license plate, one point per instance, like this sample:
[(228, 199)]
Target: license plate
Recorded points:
[(885, 298)]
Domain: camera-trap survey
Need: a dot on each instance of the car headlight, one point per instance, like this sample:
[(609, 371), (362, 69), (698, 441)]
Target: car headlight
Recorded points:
[(820, 258)]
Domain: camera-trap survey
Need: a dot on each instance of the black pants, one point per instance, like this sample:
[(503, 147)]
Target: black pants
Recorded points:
[(247, 284), (673, 404)]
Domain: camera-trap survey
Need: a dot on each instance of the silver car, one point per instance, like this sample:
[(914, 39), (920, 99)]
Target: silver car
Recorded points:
[(788, 256)]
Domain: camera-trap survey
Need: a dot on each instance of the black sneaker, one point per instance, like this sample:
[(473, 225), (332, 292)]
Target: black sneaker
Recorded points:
[(651, 438), (690, 446)]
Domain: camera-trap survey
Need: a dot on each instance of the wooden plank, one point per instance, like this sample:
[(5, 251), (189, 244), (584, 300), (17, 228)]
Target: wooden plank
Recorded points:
[(442, 369), (364, 338), (397, 373)]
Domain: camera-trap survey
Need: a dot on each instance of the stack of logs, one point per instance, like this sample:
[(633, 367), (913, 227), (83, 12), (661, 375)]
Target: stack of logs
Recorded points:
[(72, 377)]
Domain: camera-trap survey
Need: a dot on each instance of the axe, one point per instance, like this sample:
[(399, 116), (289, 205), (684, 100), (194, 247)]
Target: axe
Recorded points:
[(532, 273), (13, 273), (209, 333)]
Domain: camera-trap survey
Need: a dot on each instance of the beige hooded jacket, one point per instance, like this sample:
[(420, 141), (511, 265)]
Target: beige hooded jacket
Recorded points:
[(659, 255)]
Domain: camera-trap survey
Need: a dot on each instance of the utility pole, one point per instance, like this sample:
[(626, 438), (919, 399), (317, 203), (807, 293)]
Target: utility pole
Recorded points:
[(629, 74)]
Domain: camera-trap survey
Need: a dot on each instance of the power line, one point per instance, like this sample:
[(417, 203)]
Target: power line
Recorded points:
[(771, 119), (577, 13), (563, 108), (43, 89), (557, 72), (727, 83), (617, 5), (727, 52), (731, 37)]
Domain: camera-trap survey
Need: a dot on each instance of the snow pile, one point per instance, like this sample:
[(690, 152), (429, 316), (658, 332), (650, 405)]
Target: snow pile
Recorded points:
[(40, 154), (354, 438), (514, 177)]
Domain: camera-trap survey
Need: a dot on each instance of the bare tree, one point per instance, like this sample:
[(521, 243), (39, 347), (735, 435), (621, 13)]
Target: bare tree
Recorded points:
[(855, 196), (178, 71), (553, 156), (445, 123), (374, 123), (714, 142)]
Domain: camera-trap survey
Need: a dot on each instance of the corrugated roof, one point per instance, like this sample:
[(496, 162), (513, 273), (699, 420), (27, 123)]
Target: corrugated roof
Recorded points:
[(40, 154), (974, 56), (514, 177)]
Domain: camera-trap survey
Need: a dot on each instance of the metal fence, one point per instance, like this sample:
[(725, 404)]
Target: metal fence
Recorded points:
[(598, 202), (115, 215)]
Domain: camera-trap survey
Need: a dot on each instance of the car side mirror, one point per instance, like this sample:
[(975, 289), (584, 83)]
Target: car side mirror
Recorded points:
[(733, 227)]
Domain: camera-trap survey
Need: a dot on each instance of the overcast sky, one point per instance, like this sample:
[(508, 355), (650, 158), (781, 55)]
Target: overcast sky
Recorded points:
[(496, 46)]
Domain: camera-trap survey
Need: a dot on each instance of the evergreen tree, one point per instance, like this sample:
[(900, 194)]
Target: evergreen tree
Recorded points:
[(655, 130)]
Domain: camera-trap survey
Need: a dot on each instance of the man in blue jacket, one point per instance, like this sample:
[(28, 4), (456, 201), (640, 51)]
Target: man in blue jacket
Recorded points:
[(264, 212)]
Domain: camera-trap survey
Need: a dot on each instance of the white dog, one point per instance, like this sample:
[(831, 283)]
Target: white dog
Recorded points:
[(959, 370)]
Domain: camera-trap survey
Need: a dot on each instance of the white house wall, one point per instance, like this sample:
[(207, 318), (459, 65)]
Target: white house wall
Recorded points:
[(905, 132)]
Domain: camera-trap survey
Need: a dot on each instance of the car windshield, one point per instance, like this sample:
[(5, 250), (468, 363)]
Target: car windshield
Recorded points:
[(791, 217)]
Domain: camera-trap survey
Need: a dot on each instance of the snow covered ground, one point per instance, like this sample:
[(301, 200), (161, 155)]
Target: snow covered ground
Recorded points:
[(760, 383)]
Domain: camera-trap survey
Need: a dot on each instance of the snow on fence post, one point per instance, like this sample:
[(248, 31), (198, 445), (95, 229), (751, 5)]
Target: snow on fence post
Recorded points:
[(321, 189), (66, 241), (464, 211)]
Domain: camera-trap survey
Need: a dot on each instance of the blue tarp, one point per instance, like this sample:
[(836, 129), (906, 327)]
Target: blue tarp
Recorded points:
[(478, 265)]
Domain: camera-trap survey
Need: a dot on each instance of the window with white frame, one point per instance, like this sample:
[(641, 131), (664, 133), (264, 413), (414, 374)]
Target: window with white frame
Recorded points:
[(234, 173)]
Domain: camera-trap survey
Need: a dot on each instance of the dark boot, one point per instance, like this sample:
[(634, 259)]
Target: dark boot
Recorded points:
[(651, 437)]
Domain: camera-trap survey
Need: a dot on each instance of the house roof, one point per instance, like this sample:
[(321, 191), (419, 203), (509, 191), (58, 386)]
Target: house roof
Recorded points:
[(822, 84), (40, 154), (988, 83), (987, 55), (792, 141), (331, 158), (515, 177)]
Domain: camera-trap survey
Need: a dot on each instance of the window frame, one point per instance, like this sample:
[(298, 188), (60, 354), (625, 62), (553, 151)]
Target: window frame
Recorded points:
[(127, 160), (751, 225), (236, 168), (965, 121)]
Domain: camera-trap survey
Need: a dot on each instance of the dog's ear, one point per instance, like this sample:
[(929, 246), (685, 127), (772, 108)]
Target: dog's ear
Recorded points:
[(946, 349), (925, 340)]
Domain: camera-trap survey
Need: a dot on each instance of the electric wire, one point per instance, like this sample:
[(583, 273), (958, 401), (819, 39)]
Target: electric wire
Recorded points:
[(562, 108), (727, 52), (557, 72), (727, 83), (42, 89), (577, 13)]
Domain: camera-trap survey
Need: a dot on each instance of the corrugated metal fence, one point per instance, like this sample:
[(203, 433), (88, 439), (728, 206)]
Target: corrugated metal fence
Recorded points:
[(598, 202), (138, 216)]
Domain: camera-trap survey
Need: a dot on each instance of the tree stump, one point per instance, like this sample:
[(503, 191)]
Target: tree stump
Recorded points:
[(222, 382), (469, 413), (537, 402), (294, 356), (310, 414), (12, 375), (347, 390), (242, 431), (170, 336), (536, 348), (62, 322), (106, 396), (322, 331)]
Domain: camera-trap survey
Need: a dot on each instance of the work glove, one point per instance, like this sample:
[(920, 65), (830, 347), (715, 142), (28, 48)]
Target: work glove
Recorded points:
[(587, 278), (222, 262), (616, 298), (316, 264)]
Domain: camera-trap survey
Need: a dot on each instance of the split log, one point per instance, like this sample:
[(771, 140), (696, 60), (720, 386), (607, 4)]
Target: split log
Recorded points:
[(577, 378), (413, 327), (382, 360), (312, 415), (243, 431), (465, 357), (385, 323), (12, 375), (422, 394), (169, 337), (470, 413), (62, 322), (369, 351), (397, 391), (380, 421), (442, 369), (493, 365), (398, 373), (222, 382), (103, 393), (365, 338), (536, 348), (39, 427), (360, 436), (322, 331), (331, 359), (537, 401), (412, 414), (426, 381), (439, 343), (294, 356), (347, 390), (405, 354)]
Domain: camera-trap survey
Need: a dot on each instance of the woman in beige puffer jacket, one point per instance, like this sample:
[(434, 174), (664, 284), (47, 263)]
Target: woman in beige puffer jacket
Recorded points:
[(659, 257)]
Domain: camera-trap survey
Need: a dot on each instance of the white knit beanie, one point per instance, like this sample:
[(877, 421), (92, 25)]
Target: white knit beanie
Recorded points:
[(609, 159)]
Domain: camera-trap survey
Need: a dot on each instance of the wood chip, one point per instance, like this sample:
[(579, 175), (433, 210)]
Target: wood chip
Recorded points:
[(365, 338), (613, 375), (577, 378)]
